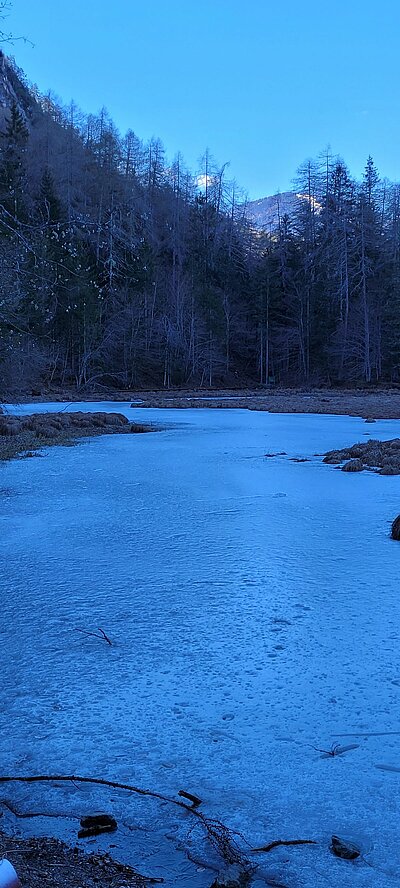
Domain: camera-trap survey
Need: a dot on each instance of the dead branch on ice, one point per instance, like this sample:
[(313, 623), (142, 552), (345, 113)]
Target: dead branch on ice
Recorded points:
[(219, 836), (280, 842)]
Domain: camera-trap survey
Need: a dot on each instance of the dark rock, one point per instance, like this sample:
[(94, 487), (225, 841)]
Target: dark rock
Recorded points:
[(98, 820), (369, 419), (345, 850)]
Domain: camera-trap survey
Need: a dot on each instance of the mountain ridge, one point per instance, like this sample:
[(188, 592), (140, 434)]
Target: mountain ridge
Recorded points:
[(266, 211)]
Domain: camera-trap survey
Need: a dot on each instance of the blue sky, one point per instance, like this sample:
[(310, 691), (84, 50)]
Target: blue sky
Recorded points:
[(262, 84)]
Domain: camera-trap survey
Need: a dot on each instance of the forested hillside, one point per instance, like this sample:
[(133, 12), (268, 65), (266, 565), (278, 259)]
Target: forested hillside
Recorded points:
[(120, 268)]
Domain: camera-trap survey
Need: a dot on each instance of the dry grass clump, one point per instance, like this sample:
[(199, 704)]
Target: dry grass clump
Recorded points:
[(19, 434), (377, 456), (390, 465), (334, 457), (243, 881), (354, 465), (395, 532), (8, 429)]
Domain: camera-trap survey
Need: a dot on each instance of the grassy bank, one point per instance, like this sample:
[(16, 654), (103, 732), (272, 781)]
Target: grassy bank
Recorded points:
[(21, 436)]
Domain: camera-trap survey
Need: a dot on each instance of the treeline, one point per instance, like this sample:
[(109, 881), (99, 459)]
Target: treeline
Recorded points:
[(121, 269)]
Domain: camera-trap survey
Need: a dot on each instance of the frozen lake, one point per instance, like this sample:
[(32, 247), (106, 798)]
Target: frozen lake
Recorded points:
[(254, 609)]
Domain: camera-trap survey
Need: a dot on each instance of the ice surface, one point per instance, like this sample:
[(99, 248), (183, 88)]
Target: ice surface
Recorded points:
[(254, 609)]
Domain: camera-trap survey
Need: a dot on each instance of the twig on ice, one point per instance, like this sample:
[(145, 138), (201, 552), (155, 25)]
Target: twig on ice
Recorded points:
[(106, 638), (336, 750), (102, 635)]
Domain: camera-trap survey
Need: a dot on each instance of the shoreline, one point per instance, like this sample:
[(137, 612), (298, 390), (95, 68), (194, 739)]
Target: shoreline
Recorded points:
[(366, 403)]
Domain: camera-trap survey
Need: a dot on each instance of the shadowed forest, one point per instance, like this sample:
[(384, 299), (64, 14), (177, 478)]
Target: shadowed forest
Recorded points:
[(121, 269)]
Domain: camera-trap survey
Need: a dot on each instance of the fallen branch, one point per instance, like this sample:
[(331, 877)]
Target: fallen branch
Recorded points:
[(99, 781), (279, 842), (26, 814), (217, 833)]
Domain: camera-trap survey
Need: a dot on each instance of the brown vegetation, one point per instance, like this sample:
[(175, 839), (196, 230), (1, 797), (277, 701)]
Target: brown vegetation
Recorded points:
[(20, 435), (377, 456), (370, 404), (45, 861)]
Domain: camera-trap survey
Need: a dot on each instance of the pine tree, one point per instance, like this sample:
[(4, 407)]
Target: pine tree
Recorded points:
[(13, 145)]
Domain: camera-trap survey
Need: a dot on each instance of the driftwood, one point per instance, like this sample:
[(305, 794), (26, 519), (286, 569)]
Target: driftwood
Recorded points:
[(192, 798), (95, 824)]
